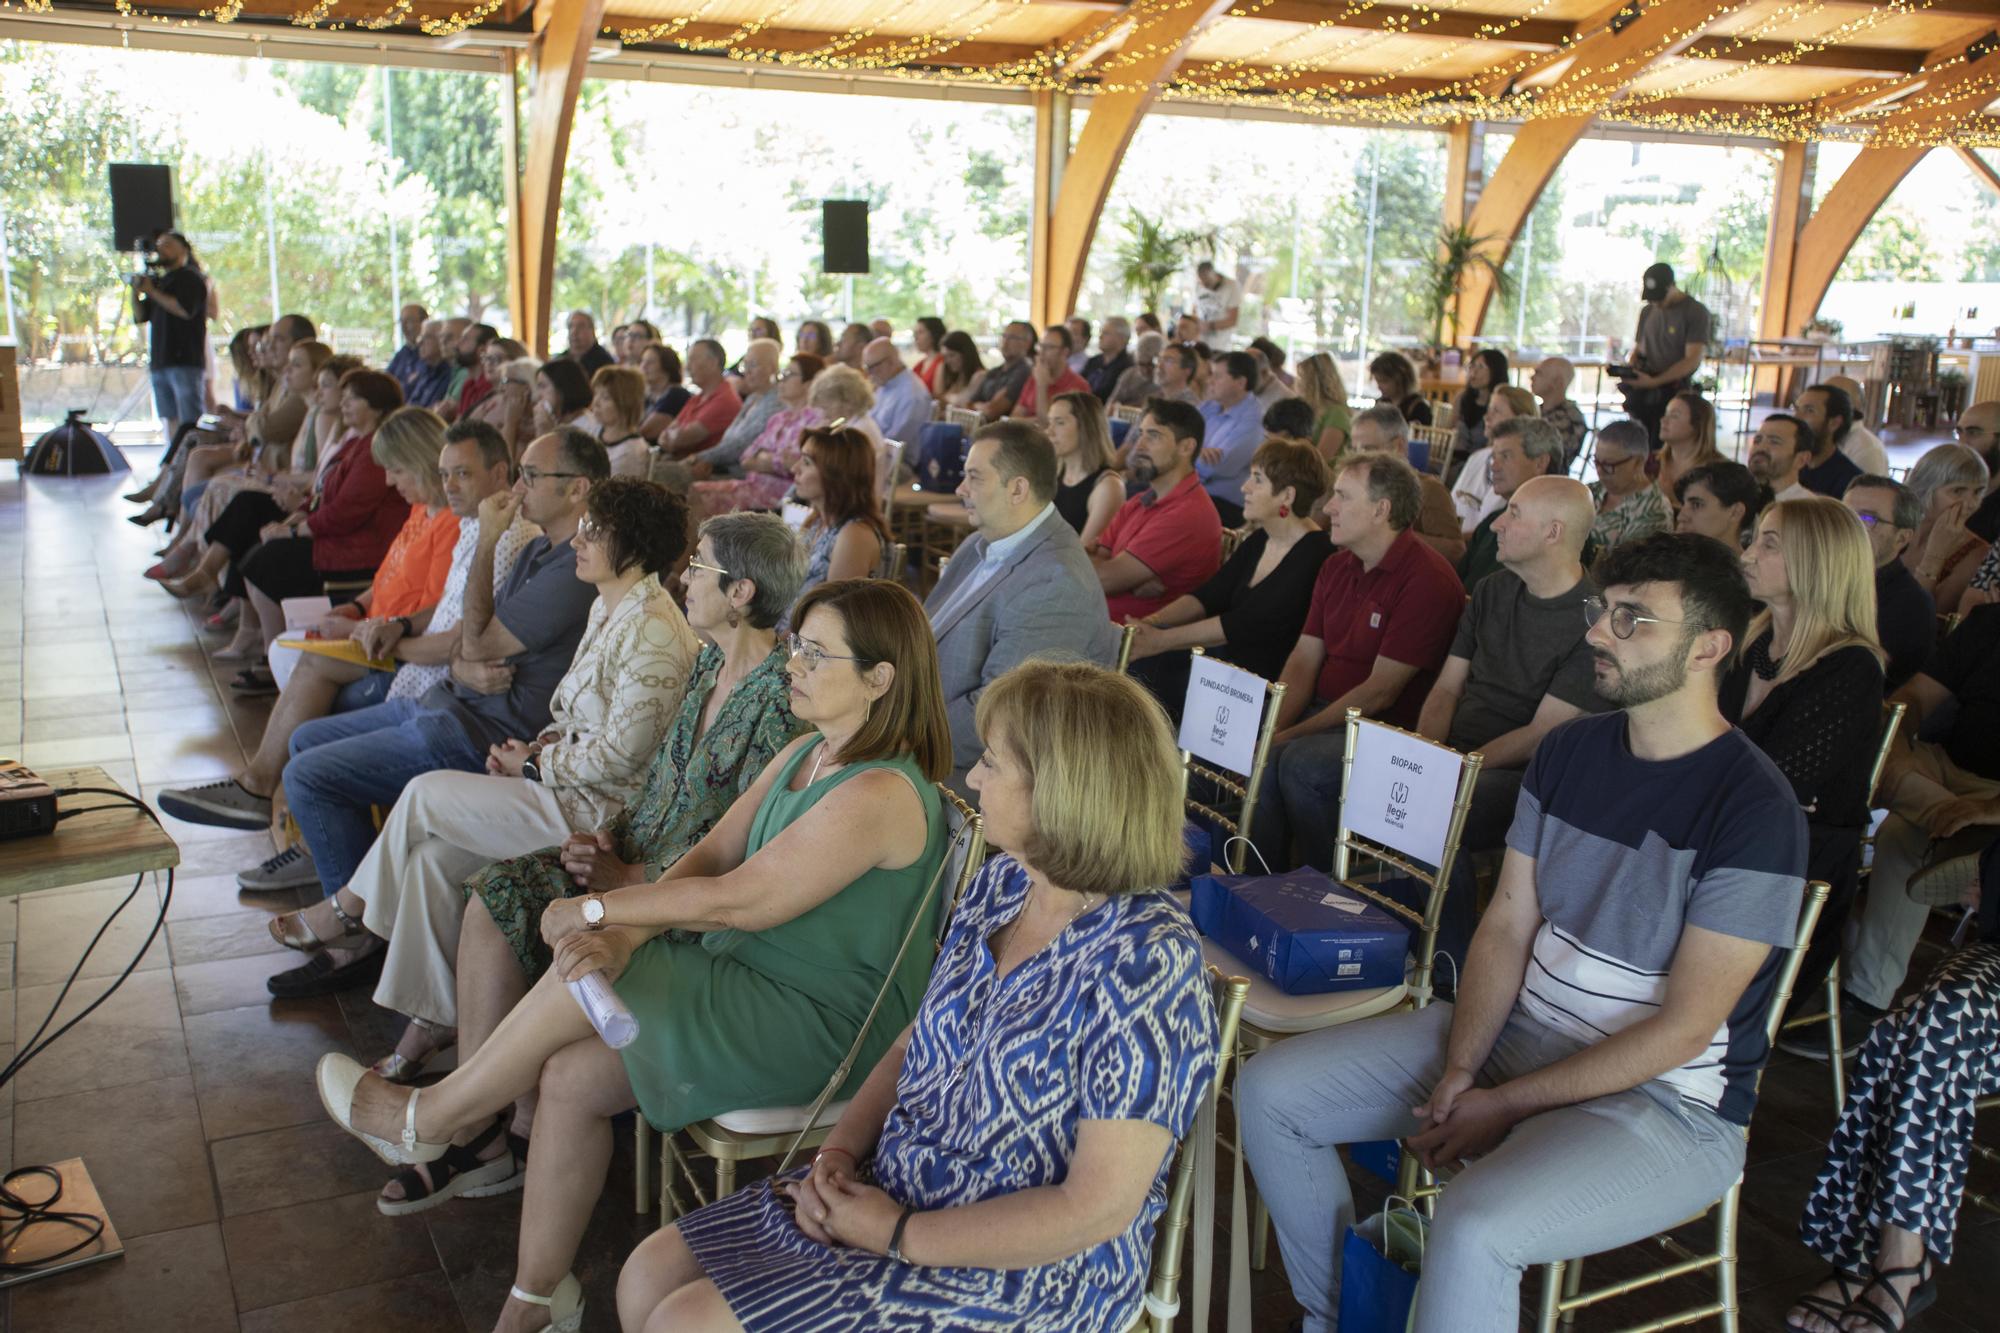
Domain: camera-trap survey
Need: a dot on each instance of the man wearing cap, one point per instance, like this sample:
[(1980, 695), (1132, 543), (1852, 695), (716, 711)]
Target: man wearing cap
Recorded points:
[(1667, 348)]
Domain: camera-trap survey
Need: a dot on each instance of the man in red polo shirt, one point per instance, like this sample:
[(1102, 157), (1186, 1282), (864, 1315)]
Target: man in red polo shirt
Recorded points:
[(1050, 377), (1165, 541), (1384, 611), (715, 404)]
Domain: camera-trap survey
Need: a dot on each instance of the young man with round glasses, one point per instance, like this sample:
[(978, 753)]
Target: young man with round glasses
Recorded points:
[(1590, 1082)]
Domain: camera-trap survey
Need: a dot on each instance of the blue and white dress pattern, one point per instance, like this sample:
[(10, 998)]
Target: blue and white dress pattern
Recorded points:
[(1112, 1021)]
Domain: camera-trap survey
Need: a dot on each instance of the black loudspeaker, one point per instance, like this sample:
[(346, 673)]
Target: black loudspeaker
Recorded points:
[(142, 204), (843, 227)]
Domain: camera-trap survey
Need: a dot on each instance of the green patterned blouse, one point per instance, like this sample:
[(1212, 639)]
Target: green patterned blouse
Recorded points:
[(690, 784)]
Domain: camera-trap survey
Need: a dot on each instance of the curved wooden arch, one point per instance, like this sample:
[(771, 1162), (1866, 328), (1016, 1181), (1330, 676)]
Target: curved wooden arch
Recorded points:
[(564, 30)]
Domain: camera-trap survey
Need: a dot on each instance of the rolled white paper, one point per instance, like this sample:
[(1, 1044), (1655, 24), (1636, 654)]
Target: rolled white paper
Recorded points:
[(610, 1015)]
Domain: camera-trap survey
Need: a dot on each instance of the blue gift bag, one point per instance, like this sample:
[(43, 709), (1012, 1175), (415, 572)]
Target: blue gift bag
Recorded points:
[(1381, 1258)]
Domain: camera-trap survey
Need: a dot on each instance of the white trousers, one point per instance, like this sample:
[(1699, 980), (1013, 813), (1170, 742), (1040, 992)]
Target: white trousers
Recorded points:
[(445, 827)]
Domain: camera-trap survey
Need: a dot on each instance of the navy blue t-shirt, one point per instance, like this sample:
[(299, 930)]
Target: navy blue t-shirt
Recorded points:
[(1628, 853)]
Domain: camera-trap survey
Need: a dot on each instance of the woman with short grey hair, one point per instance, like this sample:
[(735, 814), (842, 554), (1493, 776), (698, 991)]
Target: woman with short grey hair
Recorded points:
[(1951, 481)]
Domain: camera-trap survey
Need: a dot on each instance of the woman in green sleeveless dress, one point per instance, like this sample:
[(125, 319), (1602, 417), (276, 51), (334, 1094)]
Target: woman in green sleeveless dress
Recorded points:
[(802, 894)]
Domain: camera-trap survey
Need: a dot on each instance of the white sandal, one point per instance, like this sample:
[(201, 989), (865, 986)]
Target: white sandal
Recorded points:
[(337, 1076), (564, 1304)]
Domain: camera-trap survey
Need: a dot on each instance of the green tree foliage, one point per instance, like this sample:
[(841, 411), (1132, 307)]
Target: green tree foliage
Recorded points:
[(1892, 246)]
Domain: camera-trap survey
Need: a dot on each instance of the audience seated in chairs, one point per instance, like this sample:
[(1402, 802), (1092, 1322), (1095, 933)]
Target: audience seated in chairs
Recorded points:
[(1251, 612), (927, 337), (801, 895), (1020, 586), (1905, 615), (1550, 383), (1396, 386), (1719, 500), (768, 464), (1289, 418), (844, 534), (902, 404), (1232, 428), (514, 647), (961, 371), (666, 391), (1166, 541), (1520, 448), (1807, 688), (339, 534), (1000, 386), (734, 718), (1518, 666), (1384, 611), (948, 1196), (1325, 392), (814, 338), (562, 398), (1485, 373), (1629, 505), (412, 624), (606, 719), (1106, 370), (757, 388), (1884, 1208), (1934, 788), (1382, 430), (1830, 412), (1687, 441), (1049, 375), (1089, 488), (617, 404), (1577, 1141)]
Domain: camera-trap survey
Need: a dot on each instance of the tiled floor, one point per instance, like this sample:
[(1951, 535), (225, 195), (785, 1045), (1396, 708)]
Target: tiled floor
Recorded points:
[(189, 1092)]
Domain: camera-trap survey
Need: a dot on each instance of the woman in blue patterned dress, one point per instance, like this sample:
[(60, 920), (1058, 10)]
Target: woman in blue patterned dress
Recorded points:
[(1004, 1165)]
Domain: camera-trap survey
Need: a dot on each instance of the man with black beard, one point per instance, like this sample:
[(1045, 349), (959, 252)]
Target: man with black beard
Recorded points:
[(476, 384)]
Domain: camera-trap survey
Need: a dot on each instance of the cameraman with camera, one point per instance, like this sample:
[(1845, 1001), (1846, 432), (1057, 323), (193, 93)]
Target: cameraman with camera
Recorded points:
[(172, 297), (1668, 347)]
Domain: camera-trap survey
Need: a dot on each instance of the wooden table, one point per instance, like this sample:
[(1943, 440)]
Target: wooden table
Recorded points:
[(99, 845)]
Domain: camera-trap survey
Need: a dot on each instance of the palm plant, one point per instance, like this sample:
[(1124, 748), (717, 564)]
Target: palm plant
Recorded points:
[(1458, 253), (1150, 256)]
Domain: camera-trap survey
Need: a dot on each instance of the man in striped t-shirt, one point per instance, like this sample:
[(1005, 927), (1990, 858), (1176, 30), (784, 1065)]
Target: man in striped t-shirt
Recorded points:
[(1590, 1083)]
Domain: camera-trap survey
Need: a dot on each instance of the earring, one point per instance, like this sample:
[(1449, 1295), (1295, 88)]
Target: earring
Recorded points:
[(1284, 511), (734, 619)]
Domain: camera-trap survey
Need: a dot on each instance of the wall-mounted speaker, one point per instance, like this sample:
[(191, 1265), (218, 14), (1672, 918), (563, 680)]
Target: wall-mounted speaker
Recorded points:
[(844, 235), (142, 203)]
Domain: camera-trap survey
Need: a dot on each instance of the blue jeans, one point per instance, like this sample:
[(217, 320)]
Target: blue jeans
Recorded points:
[(1575, 1181), (342, 765), (370, 690), (177, 395), (1300, 800)]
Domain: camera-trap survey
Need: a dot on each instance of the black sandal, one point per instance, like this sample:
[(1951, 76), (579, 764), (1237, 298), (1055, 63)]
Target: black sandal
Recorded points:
[(1921, 1297), (1851, 1285), (459, 1172)]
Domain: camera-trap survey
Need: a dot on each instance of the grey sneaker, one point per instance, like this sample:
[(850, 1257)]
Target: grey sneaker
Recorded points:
[(292, 868), (224, 804)]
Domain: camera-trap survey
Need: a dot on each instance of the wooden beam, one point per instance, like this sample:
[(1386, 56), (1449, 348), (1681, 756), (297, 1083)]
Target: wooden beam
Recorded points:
[(1862, 59), (1599, 65), (1151, 56), (1464, 170), (1869, 179), (556, 60), (705, 37), (1791, 204), (1511, 29)]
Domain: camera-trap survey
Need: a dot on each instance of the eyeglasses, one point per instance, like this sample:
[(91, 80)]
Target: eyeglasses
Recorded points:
[(1868, 520), (1625, 621), (531, 475), (716, 570), (798, 650), (589, 530)]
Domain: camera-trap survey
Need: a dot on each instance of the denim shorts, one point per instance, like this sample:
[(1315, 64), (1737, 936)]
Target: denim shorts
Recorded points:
[(177, 394)]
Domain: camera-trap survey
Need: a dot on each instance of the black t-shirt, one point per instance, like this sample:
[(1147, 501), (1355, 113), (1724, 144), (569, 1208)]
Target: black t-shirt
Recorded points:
[(1905, 621), (177, 341), (1831, 477), (592, 361), (1262, 620), (1968, 664), (1985, 520)]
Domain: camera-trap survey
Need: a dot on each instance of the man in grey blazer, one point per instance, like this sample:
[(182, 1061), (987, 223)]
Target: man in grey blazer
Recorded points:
[(1021, 585)]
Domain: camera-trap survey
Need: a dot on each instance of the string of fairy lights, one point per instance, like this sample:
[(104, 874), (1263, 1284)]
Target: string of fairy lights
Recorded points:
[(1322, 68)]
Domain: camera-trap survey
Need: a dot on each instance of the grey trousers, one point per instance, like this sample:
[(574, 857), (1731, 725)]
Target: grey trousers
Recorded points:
[(1564, 1184)]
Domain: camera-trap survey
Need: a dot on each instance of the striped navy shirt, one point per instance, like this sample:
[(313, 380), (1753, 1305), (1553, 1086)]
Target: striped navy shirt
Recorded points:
[(1628, 852)]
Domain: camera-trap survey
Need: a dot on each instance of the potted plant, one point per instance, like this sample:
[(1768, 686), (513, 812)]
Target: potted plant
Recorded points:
[(1458, 252), (1821, 329), (1149, 256), (1951, 385)]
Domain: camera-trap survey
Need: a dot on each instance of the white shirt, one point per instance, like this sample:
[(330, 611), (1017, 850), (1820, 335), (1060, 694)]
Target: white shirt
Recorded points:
[(1213, 303), (414, 680), (1795, 491), (1474, 497), (1864, 447)]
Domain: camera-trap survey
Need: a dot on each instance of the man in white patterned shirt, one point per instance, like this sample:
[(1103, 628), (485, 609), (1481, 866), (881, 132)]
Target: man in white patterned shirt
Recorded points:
[(473, 465)]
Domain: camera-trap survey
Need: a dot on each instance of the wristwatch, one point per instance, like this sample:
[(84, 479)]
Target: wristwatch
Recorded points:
[(531, 770), (593, 912)]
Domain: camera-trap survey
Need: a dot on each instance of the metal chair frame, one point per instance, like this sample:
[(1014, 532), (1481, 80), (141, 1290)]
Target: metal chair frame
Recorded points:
[(1244, 791), (1441, 441), (727, 1147)]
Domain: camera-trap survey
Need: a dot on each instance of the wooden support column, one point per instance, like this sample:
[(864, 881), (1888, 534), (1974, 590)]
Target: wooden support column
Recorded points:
[(1791, 204), (564, 30), (1957, 92), (1464, 170), (1052, 126), (1593, 69), (1148, 59)]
